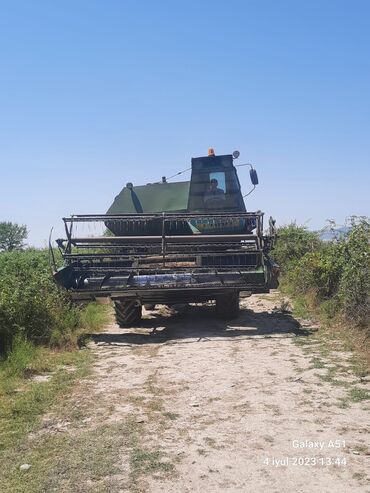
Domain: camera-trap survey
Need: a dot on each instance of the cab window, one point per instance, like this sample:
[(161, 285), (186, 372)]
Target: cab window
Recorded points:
[(220, 177)]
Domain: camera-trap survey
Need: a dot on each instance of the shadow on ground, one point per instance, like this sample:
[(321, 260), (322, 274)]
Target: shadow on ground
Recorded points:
[(200, 322)]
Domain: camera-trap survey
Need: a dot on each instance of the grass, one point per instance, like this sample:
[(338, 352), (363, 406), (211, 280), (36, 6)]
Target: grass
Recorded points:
[(91, 319), (358, 395), (211, 442), (326, 341), (24, 401), (22, 404), (307, 391), (317, 363), (94, 316), (343, 403), (330, 378), (333, 337), (85, 460), (171, 416), (354, 395), (144, 459), (84, 457), (339, 353), (359, 476), (24, 357), (144, 462), (362, 448), (301, 308)]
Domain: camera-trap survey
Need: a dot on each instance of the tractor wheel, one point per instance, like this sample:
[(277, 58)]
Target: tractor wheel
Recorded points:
[(128, 313), (227, 305)]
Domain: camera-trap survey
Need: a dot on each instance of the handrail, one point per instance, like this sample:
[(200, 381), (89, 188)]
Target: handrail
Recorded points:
[(166, 215), (158, 239)]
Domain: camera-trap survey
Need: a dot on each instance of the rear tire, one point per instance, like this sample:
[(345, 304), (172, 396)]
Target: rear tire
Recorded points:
[(128, 313), (227, 305)]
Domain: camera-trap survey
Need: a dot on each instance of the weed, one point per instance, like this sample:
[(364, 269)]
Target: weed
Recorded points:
[(301, 308), (285, 306), (94, 316), (147, 462), (359, 476), (171, 416), (20, 359), (343, 403), (362, 448), (358, 395), (317, 363), (211, 442)]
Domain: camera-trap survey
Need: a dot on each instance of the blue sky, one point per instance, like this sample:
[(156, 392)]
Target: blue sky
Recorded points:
[(97, 93)]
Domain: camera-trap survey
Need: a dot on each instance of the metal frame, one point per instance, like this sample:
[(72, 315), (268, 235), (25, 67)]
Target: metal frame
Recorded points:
[(194, 266)]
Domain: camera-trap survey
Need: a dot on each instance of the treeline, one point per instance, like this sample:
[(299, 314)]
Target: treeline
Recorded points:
[(330, 277)]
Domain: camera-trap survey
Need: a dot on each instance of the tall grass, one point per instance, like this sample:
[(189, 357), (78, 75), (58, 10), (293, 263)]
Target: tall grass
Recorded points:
[(20, 360)]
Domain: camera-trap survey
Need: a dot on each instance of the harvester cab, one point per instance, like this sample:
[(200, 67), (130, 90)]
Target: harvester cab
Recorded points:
[(171, 243), (214, 185)]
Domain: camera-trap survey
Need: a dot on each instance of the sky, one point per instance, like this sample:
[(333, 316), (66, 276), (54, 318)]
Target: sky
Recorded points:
[(94, 94)]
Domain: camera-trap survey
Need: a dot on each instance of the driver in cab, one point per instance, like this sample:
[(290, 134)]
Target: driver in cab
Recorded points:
[(214, 194)]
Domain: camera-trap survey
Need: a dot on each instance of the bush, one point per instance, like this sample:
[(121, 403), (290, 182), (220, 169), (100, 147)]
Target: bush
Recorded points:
[(31, 304), (334, 275), (319, 271), (293, 243), (354, 287)]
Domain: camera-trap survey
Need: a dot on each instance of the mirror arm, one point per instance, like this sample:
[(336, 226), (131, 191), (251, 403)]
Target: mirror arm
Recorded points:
[(250, 191), (246, 164)]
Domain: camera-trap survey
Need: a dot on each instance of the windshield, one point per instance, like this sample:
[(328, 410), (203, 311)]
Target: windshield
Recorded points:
[(216, 191)]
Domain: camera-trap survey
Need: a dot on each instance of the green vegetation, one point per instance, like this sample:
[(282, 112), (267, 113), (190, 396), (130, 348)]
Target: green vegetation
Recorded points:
[(358, 395), (24, 399), (330, 278), (143, 462), (85, 459), (40, 424), (25, 436), (39, 327), (33, 307)]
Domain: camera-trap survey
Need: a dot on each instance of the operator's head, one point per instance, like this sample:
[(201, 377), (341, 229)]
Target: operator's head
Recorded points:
[(213, 184)]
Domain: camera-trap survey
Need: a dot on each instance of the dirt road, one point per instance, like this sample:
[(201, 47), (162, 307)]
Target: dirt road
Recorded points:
[(252, 405)]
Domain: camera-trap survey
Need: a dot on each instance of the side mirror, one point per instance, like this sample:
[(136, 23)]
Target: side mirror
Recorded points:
[(254, 176)]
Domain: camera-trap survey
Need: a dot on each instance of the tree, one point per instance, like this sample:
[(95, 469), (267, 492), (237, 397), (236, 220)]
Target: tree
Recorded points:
[(12, 236)]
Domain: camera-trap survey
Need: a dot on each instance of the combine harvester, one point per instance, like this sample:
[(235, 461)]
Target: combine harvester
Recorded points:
[(172, 243)]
